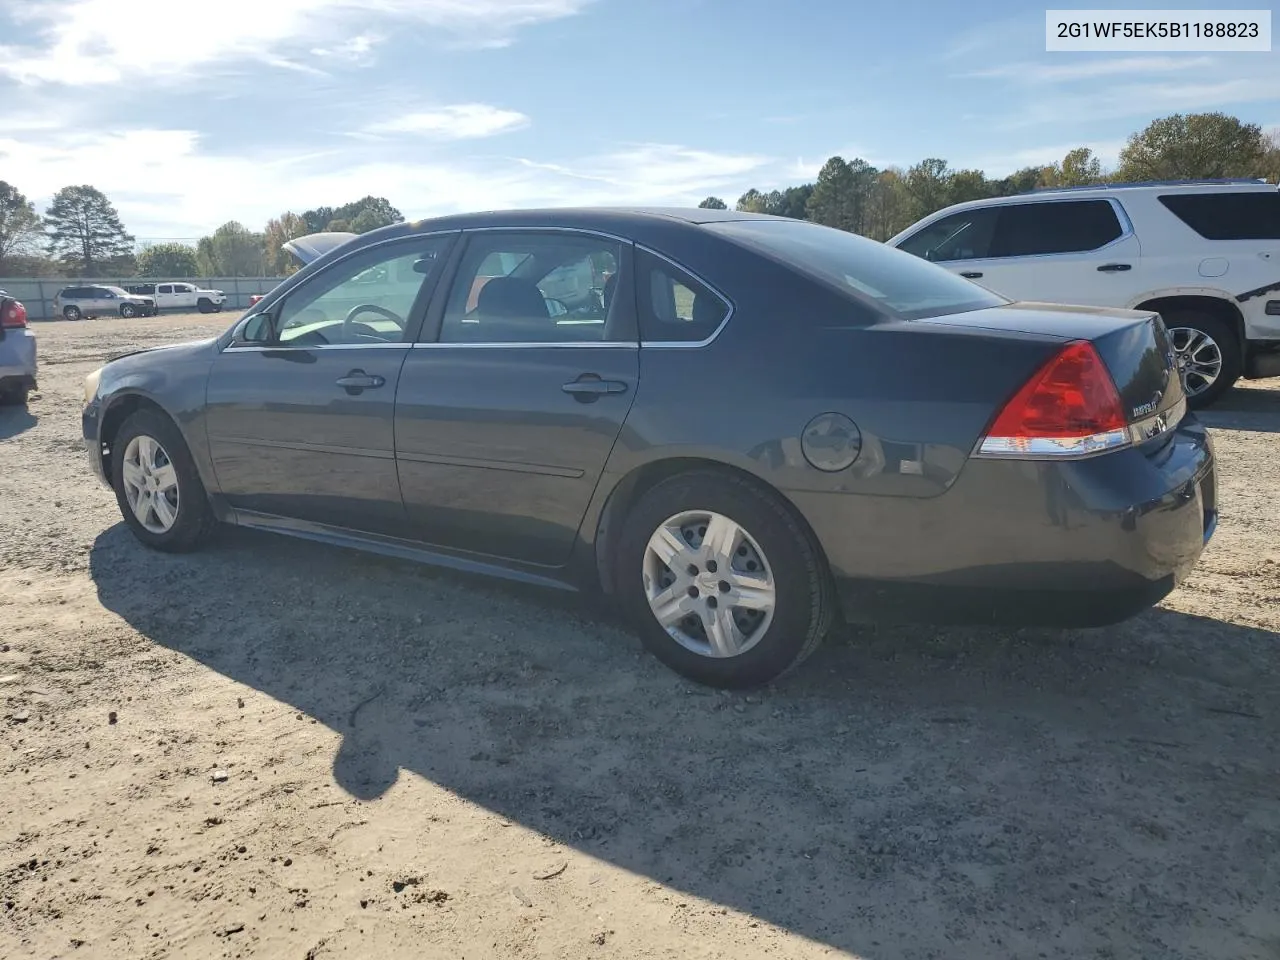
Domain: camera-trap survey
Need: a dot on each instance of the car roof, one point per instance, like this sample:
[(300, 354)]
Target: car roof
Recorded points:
[(618, 218)]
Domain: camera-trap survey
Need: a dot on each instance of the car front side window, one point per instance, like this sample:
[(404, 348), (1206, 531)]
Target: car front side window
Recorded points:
[(960, 236), (368, 298)]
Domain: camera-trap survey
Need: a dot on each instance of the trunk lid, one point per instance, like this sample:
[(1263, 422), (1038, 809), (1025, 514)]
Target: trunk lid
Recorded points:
[(1133, 344), (316, 245)]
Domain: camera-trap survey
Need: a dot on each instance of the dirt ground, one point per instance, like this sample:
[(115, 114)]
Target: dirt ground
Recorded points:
[(278, 749)]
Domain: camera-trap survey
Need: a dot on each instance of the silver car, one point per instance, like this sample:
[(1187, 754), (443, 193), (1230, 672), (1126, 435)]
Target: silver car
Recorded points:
[(75, 303), (17, 352)]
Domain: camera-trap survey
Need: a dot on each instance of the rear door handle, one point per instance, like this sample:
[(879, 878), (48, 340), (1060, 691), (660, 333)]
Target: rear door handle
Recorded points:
[(971, 274), (359, 380), (590, 387), (1114, 267)]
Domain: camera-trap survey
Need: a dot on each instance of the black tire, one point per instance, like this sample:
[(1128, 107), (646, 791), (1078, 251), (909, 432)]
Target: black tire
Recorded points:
[(195, 521), (204, 305), (15, 396), (804, 602), (1228, 341), (128, 311), (71, 313)]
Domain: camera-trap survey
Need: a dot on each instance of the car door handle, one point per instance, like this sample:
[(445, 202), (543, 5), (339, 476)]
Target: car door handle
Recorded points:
[(971, 274), (359, 380), (1114, 267), (590, 387)]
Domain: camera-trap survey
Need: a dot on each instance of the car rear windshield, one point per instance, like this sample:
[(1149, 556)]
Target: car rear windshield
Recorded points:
[(1244, 215), (898, 282)]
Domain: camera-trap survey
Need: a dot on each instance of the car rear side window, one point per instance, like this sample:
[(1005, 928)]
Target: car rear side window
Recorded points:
[(1058, 226), (871, 272), (531, 287), (1228, 216), (675, 307)]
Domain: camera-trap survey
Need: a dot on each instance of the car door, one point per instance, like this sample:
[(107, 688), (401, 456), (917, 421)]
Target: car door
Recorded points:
[(509, 408), (184, 295), (1056, 251), (164, 296), (300, 403), (102, 301)]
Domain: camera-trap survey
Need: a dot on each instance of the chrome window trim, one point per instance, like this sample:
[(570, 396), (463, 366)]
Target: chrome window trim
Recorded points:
[(530, 344), (687, 344), (257, 348)]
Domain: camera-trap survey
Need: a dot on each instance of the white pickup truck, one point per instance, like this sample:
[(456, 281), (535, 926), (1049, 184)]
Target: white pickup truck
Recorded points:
[(178, 295)]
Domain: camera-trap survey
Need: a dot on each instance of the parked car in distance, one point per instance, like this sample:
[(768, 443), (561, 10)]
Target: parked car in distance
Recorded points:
[(877, 439), (180, 295), (1204, 254), (17, 352), (75, 303)]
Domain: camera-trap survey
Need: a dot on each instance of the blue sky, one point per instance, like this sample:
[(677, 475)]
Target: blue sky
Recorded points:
[(193, 113)]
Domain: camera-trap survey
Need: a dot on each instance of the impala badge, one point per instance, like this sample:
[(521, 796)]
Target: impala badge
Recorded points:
[(1149, 406)]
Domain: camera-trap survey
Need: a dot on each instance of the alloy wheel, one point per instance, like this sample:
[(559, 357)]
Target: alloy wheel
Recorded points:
[(1199, 358)]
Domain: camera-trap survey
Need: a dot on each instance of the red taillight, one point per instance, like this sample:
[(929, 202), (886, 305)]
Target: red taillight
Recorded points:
[(13, 314), (1069, 408), (254, 298)]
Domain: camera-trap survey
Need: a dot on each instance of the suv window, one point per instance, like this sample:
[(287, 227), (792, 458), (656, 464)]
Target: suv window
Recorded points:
[(961, 236), (164, 288), (1228, 216), (74, 293), (534, 288), (867, 270), (1055, 226), (674, 307), (367, 298)]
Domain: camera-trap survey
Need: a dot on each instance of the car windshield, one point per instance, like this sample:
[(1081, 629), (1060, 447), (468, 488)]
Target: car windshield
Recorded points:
[(900, 283), (118, 291)]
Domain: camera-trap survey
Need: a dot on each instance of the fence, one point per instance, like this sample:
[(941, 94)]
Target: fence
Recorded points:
[(37, 294)]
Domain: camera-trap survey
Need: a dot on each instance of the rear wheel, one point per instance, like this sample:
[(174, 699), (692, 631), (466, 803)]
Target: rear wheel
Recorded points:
[(128, 310), (71, 313), (1208, 355), (157, 487), (723, 584)]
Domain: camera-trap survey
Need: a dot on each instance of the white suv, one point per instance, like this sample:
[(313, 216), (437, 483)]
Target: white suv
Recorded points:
[(1204, 254)]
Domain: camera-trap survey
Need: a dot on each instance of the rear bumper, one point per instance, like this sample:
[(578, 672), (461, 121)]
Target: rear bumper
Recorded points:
[(18, 359), (1086, 543)]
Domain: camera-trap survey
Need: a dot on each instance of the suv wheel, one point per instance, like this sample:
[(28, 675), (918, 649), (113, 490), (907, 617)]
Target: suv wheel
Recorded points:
[(204, 305), (1207, 350), (128, 310), (721, 581), (157, 487), (71, 313)]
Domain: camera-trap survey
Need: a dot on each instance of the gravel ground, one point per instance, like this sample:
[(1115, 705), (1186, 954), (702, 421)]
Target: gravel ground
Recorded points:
[(277, 749)]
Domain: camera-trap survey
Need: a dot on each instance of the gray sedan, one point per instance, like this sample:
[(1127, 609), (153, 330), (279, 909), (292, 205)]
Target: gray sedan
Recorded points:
[(17, 351), (749, 427)]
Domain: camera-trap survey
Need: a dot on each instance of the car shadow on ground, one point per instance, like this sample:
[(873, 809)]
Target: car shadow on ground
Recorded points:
[(15, 420), (1245, 408), (907, 793)]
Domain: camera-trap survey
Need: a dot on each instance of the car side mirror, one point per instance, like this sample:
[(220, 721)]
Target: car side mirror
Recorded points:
[(258, 329)]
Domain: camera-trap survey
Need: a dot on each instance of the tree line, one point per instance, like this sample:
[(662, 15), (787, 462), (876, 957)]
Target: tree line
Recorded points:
[(80, 234), (879, 203)]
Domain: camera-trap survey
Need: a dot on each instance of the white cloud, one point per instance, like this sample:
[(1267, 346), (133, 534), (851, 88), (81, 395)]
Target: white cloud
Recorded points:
[(465, 121), (1058, 72), (86, 42), (164, 186)]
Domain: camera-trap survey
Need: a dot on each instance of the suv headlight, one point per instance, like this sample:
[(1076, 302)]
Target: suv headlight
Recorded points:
[(91, 386)]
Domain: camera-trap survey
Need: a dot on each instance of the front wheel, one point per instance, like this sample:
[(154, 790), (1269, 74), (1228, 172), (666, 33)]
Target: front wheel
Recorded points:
[(204, 305), (157, 487), (128, 311), (1207, 351), (724, 585)]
